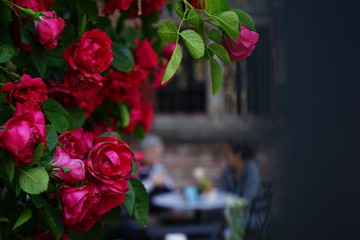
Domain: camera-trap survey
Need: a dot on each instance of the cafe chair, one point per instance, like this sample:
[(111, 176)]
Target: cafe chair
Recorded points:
[(259, 213)]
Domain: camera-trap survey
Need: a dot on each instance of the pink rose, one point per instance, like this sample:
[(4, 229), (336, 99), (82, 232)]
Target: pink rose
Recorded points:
[(91, 54), (50, 29), (243, 46), (77, 203), (62, 159), (27, 89), (112, 196), (119, 86), (62, 93), (76, 143), (145, 56), (112, 5), (23, 132), (109, 162), (36, 5), (83, 86)]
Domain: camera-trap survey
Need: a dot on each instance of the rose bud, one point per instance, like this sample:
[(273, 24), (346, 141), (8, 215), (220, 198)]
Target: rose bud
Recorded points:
[(50, 29), (243, 46)]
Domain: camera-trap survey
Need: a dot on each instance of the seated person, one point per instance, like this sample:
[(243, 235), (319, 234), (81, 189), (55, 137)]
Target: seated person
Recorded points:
[(241, 176), (154, 174)]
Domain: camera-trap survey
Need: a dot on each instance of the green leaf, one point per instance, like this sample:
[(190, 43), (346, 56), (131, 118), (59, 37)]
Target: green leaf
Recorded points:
[(229, 22), (34, 180), (245, 19), (38, 201), (23, 218), (107, 134), (38, 56), (139, 131), (216, 76), (111, 216), (178, 9), (193, 42), (212, 6), (173, 64), (90, 9), (10, 167), (130, 35), (207, 54), (141, 207), (52, 218), (58, 120), (57, 115), (95, 233), (78, 116), (51, 137), (168, 31), (123, 58), (7, 51), (215, 35), (221, 52), (135, 168), (193, 17), (25, 35), (130, 199), (224, 5), (38, 153), (124, 114)]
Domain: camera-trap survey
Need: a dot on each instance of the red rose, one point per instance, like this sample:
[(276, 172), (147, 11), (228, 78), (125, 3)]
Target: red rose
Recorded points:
[(119, 86), (62, 159), (23, 132), (49, 30), (141, 113), (36, 5), (243, 46), (84, 86), (100, 128), (91, 54), (109, 162), (62, 93), (76, 143), (168, 50), (145, 56), (77, 203), (148, 7), (198, 4), (27, 89), (112, 5)]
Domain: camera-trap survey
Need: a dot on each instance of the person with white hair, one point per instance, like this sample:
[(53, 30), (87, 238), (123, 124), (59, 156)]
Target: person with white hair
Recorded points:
[(154, 174)]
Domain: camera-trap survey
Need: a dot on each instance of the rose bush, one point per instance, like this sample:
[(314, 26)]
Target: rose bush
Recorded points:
[(74, 77)]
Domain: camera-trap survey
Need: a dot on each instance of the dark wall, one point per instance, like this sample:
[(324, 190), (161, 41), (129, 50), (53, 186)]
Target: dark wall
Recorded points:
[(322, 184)]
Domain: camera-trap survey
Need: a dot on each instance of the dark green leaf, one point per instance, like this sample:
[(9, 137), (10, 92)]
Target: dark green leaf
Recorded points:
[(25, 35), (124, 114), (245, 19), (58, 120), (141, 207), (38, 153), (193, 17), (221, 52), (173, 64), (130, 35), (212, 6), (107, 134), (111, 216), (130, 199), (53, 220), (139, 131), (229, 22), (135, 168), (38, 56), (216, 76), (123, 58), (7, 51), (23, 218), (179, 10), (10, 167), (38, 201), (91, 10), (51, 137), (78, 116), (168, 31), (215, 35), (34, 180), (207, 54), (193, 42), (95, 233)]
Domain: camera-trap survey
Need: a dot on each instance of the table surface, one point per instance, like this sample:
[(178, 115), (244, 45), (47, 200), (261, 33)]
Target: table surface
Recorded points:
[(175, 200)]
